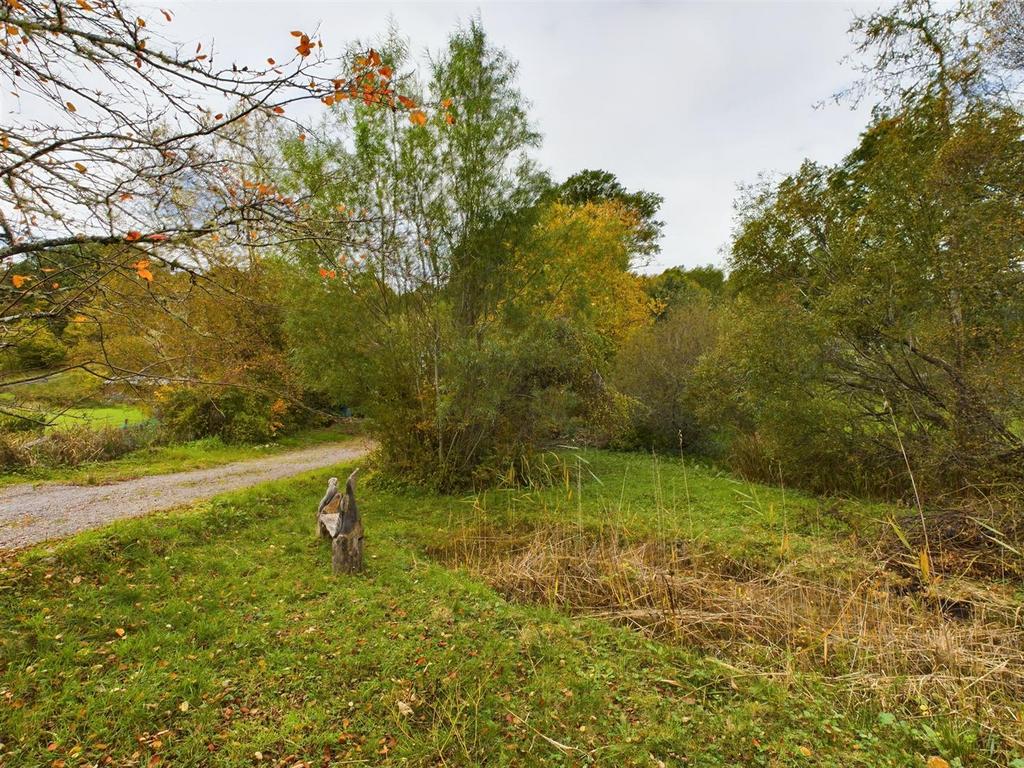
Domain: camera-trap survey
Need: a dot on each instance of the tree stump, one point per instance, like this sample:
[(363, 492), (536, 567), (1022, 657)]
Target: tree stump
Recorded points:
[(338, 519)]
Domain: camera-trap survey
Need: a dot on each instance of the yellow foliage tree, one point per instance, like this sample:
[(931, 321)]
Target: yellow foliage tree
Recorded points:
[(577, 265)]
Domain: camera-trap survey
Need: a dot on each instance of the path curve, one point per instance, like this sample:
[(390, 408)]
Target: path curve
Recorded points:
[(33, 513)]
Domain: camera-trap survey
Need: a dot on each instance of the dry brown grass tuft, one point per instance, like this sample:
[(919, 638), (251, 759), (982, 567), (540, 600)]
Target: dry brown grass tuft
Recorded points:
[(952, 645)]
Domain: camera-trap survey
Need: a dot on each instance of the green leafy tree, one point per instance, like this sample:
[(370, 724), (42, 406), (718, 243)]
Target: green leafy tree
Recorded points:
[(597, 186), (678, 286), (908, 256), (461, 316)]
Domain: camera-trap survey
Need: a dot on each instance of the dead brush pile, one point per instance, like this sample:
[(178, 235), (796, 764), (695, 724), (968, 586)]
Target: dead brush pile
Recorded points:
[(876, 633)]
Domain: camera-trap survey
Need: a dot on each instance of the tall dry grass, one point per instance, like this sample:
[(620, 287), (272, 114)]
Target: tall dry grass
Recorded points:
[(72, 446), (959, 646)]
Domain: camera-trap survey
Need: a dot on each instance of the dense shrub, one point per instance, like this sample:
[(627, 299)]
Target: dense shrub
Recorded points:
[(763, 393), (188, 414), (500, 403), (656, 368), (880, 328), (232, 414)]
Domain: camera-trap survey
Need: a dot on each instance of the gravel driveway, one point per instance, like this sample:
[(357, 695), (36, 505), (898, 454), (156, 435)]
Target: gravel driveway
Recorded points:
[(34, 513)]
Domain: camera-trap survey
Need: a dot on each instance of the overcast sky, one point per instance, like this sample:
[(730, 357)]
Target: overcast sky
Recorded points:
[(684, 99)]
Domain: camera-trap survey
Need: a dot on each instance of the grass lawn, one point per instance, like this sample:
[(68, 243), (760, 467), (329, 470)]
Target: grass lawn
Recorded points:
[(217, 636), (95, 416), (100, 416), (198, 454)]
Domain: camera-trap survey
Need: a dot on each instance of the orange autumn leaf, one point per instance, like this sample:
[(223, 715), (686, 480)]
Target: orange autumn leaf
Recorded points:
[(328, 273), (296, 33), (70, 106), (446, 103), (84, 5), (167, 15), (406, 102), (141, 268), (304, 47), (418, 117), (449, 118), (302, 137), (386, 72), (19, 280), (157, 238), (125, 196), (218, 116), (278, 110), (271, 61), (374, 58), (80, 168), (133, 235)]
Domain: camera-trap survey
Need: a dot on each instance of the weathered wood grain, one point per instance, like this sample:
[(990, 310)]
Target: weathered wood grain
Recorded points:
[(338, 520)]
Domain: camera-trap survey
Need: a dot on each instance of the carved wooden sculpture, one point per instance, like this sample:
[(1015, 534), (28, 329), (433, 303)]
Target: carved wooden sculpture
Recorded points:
[(338, 520), (347, 547), (329, 507)]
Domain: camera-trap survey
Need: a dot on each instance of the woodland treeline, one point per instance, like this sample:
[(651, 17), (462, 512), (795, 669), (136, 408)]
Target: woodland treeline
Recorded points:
[(402, 255)]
